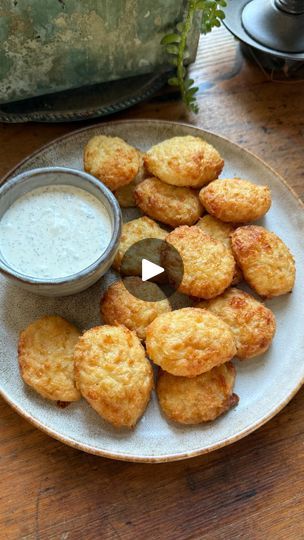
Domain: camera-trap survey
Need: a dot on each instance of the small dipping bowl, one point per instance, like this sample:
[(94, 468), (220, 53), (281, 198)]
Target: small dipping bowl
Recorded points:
[(25, 182)]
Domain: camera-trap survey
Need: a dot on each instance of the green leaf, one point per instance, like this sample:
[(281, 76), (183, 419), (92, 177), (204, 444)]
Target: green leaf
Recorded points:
[(173, 60), (170, 38), (188, 83), (201, 4), (192, 91), (176, 43), (172, 49), (173, 81), (220, 14), (193, 106), (210, 4)]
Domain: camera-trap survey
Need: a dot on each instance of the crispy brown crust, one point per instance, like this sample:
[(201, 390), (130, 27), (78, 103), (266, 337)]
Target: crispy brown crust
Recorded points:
[(253, 324), (221, 231), (132, 232), (200, 399), (236, 200), (113, 374), (216, 228), (184, 161), (209, 265), (118, 306), (266, 262), (169, 204), (189, 341), (111, 160), (125, 194), (45, 354)]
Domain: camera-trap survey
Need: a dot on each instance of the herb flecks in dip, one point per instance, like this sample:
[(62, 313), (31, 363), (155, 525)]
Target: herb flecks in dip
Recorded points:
[(54, 232)]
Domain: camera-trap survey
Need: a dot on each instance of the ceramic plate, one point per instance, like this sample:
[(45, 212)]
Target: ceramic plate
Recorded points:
[(264, 384)]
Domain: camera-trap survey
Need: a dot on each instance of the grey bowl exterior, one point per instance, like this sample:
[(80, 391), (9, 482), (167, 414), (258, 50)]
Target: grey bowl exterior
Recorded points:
[(12, 189)]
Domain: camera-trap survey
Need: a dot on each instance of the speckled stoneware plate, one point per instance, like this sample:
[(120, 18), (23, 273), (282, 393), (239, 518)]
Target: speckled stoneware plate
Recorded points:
[(264, 384)]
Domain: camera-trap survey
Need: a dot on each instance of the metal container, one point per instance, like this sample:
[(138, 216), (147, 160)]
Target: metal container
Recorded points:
[(53, 45)]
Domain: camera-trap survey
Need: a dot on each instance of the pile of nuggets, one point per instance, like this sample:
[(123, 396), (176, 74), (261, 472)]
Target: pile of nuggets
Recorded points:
[(175, 183)]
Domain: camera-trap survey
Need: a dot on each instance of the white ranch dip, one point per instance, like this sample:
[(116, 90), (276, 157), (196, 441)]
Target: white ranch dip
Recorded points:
[(54, 232)]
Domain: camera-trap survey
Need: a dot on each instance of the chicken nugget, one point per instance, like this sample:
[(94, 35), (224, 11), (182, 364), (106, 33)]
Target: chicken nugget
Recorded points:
[(236, 200), (113, 374), (119, 306), (221, 231), (189, 341), (253, 324), (200, 399), (266, 262), (142, 228), (217, 229), (125, 194), (111, 160), (184, 161), (46, 358), (169, 204), (208, 264)]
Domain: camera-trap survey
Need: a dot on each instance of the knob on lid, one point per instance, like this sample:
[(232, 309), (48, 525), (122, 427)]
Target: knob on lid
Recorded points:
[(278, 25)]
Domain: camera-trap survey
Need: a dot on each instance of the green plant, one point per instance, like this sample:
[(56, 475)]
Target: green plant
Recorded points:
[(176, 44)]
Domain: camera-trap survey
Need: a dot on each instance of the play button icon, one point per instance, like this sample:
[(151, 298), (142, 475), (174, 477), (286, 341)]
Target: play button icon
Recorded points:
[(147, 259), (149, 269)]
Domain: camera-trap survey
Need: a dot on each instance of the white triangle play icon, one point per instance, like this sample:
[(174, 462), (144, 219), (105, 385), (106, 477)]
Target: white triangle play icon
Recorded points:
[(150, 269)]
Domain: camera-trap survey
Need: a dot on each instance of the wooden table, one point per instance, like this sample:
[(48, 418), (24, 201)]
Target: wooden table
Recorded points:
[(250, 490)]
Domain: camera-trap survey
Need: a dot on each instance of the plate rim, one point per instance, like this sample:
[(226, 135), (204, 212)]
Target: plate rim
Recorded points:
[(165, 457), (11, 171)]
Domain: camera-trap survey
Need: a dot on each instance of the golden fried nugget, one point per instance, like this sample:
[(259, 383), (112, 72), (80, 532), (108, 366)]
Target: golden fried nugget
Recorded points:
[(253, 324), (236, 200), (169, 204), (119, 306), (217, 229), (111, 160), (266, 262), (125, 194), (138, 229), (208, 264), (221, 231), (184, 161), (46, 358), (113, 374), (189, 341), (200, 399)]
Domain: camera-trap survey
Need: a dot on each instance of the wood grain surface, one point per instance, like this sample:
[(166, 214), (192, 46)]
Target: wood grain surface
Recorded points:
[(252, 489)]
